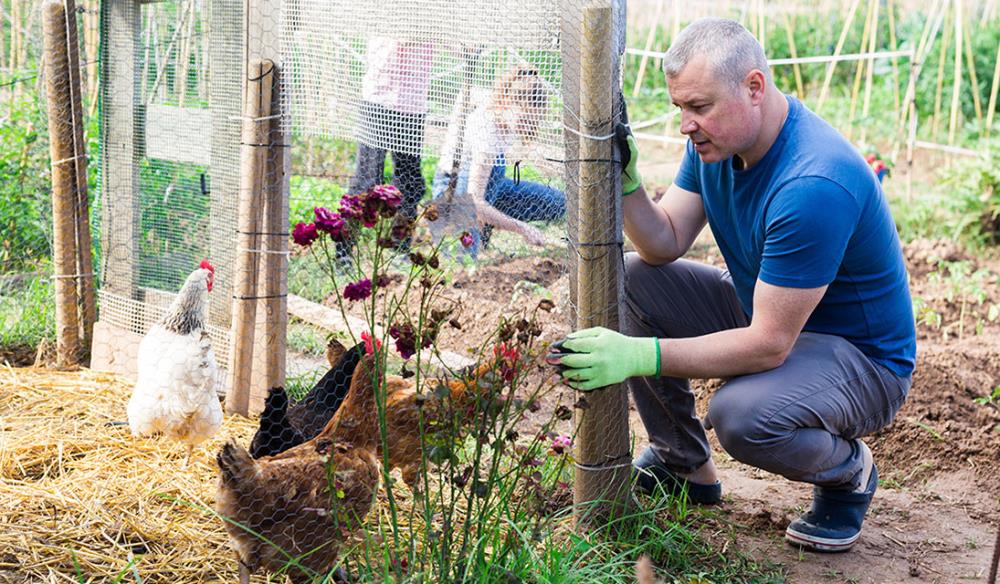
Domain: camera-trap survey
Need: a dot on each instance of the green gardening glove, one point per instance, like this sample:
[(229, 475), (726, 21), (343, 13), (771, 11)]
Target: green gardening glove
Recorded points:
[(598, 357), (631, 179)]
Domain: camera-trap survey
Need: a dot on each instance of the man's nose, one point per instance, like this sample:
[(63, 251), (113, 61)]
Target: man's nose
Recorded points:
[(688, 125)]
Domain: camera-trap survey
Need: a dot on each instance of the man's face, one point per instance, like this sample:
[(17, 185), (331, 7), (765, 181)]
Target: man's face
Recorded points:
[(719, 119)]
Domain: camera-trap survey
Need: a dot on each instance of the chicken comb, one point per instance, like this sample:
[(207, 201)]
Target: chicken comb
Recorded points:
[(205, 265)]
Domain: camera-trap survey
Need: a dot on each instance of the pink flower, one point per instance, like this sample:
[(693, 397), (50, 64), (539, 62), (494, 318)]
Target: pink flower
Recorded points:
[(388, 194), (358, 290), (305, 234), (406, 339), (561, 444), (371, 344), (466, 239), (329, 222)]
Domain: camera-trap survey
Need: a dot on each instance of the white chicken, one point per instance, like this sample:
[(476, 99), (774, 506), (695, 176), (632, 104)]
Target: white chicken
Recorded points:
[(175, 394)]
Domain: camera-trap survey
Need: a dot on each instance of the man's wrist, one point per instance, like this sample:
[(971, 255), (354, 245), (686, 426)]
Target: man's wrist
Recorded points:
[(648, 357)]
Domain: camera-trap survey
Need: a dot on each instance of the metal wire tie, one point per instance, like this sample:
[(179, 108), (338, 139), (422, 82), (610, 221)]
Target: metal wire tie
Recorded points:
[(70, 159), (71, 276), (270, 251)]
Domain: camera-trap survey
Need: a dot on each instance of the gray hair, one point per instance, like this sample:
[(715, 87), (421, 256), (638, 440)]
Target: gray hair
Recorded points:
[(730, 50)]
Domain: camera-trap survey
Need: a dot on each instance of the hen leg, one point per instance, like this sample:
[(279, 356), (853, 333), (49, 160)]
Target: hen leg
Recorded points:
[(187, 458), (244, 572)]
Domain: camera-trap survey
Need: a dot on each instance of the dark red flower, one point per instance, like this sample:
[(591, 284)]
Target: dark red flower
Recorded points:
[(406, 339), (351, 207), (466, 239), (305, 234), (358, 290), (329, 222)]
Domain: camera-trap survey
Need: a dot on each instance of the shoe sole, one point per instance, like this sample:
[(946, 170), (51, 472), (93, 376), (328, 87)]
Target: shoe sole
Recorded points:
[(820, 544)]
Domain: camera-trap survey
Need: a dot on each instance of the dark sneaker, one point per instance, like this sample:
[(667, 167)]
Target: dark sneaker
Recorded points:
[(834, 522), (651, 473)]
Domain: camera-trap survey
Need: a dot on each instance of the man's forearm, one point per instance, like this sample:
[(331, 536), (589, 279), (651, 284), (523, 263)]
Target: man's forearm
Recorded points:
[(649, 228), (727, 353)]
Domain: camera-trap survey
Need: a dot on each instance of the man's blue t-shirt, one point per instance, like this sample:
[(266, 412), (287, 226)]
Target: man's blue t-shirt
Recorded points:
[(808, 214)]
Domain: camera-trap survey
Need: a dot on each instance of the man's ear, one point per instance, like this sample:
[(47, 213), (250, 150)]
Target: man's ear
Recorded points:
[(756, 84)]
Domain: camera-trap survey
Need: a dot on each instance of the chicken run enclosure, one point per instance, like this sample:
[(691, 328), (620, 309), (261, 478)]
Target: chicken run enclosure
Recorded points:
[(200, 129)]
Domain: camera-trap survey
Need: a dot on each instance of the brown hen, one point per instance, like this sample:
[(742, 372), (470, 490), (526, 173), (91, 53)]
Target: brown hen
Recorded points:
[(404, 407), (303, 503)]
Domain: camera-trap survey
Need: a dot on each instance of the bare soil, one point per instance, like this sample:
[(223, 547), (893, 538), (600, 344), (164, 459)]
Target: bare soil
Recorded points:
[(935, 517)]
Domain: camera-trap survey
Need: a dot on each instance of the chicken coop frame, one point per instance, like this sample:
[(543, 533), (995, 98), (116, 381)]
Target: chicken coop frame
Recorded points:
[(242, 32), (240, 138)]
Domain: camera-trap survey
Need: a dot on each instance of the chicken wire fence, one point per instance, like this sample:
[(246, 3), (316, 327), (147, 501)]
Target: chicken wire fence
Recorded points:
[(210, 108), (222, 121)]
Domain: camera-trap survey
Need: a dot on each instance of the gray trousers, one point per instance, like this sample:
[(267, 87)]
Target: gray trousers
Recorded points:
[(799, 420)]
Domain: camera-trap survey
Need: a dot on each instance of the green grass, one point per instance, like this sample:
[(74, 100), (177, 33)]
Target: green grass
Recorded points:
[(27, 309)]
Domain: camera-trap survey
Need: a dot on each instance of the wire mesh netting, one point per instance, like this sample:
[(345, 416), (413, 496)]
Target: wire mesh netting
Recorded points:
[(258, 136), (220, 128)]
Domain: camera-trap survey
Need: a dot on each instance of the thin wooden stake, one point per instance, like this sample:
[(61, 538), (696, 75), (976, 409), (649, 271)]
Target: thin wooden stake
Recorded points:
[(859, 69), (893, 46), (63, 183), (799, 89), (650, 37), (973, 78), (872, 44), (956, 97), (253, 166), (991, 108), (836, 52), (939, 87)]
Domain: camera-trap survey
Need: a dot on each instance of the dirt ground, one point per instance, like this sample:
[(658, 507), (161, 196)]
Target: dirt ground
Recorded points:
[(935, 516)]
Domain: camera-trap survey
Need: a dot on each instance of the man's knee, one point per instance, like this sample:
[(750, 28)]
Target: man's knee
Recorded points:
[(742, 427)]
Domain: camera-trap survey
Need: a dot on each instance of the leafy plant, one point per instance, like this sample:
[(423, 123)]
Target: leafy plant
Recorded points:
[(991, 399), (25, 202), (964, 287)]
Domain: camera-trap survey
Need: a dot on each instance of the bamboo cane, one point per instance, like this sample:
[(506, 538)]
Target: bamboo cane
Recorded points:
[(63, 183), (930, 31), (939, 87), (836, 53), (799, 90), (956, 97), (893, 46), (650, 37), (253, 166), (974, 80), (859, 69), (872, 44), (602, 449), (991, 108)]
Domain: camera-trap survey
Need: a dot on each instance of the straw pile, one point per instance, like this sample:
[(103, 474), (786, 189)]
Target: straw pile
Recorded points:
[(84, 502)]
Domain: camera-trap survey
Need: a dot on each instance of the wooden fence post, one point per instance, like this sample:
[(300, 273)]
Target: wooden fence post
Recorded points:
[(253, 168), (64, 182), (602, 451), (84, 251)]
